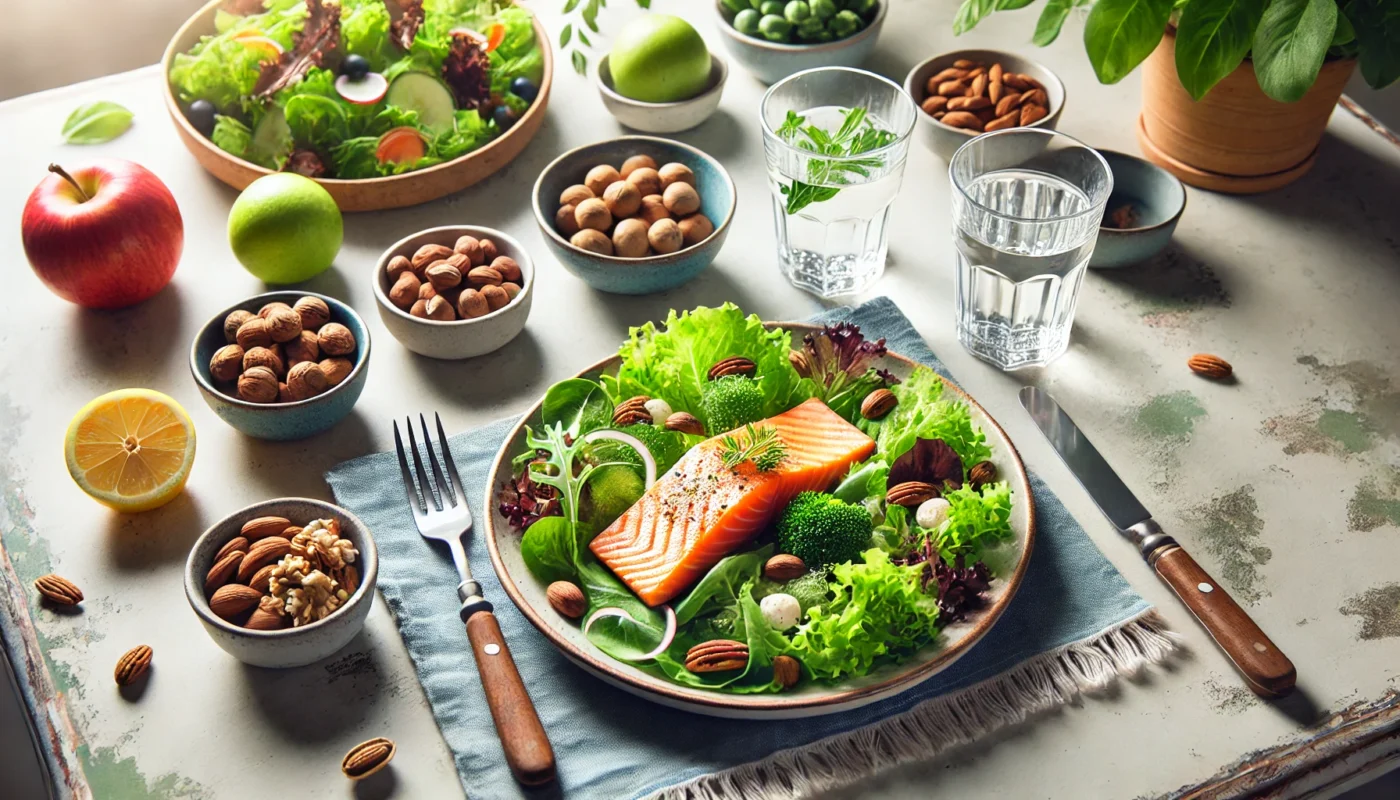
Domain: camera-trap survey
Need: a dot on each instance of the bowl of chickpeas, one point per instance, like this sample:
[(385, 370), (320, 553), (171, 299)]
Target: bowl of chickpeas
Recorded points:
[(636, 214)]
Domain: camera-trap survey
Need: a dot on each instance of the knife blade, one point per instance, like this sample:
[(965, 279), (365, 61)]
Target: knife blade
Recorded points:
[(1264, 667)]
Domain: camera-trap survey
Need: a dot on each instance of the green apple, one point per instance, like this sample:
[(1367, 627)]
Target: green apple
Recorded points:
[(285, 228), (658, 58)]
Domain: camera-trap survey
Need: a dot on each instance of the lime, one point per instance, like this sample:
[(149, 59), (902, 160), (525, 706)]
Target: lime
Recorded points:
[(285, 228)]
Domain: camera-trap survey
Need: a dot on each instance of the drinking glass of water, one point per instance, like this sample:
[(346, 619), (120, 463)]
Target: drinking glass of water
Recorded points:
[(1027, 204), (835, 140)]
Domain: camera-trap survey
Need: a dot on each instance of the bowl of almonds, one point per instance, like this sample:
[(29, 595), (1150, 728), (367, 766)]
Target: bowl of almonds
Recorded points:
[(456, 291), (282, 365), (968, 92), (283, 583)]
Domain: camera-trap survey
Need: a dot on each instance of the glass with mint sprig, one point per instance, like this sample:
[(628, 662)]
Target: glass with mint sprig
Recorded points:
[(835, 141)]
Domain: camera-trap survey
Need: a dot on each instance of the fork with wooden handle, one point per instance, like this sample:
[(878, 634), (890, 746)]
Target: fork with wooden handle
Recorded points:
[(444, 515)]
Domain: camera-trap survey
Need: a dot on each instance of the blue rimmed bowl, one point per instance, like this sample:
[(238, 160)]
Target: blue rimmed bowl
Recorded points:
[(657, 273), (1157, 200), (281, 421), (770, 62)]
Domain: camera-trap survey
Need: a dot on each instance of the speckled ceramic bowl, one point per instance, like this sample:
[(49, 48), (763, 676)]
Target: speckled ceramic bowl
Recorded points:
[(681, 115), (945, 139), (770, 62), (281, 421), (1157, 199), (459, 338), (288, 647), (636, 275)]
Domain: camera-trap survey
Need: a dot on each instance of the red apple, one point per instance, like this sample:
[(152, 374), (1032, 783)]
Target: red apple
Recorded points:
[(108, 235)]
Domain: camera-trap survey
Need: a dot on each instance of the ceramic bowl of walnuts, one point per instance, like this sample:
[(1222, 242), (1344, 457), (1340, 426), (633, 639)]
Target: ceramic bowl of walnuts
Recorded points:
[(454, 292), (636, 214), (282, 365)]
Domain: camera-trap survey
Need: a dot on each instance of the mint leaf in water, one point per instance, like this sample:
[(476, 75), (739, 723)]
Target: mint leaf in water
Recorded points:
[(855, 136), (95, 123)]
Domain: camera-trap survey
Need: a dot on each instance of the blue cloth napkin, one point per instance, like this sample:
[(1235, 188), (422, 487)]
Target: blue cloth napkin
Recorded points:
[(1074, 623)]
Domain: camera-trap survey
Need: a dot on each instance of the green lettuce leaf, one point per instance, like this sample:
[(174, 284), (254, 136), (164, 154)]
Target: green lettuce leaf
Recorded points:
[(976, 520), (922, 413), (720, 587), (231, 136)]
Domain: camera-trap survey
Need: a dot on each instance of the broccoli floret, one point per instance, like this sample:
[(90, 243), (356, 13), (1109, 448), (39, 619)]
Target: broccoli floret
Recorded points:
[(820, 529), (731, 402)]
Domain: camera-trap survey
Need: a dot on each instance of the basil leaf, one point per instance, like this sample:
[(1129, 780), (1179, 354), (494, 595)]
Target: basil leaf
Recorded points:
[(1012, 5), (580, 62), (970, 13), (1376, 23), (1290, 44), (1052, 18), (95, 123), (1212, 39), (1119, 34), (565, 35)]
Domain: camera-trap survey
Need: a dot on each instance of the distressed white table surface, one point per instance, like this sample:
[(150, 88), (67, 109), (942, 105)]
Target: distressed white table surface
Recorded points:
[(1285, 485)]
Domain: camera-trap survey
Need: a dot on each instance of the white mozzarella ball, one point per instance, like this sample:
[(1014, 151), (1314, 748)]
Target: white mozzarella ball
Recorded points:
[(659, 410), (781, 610), (932, 513)]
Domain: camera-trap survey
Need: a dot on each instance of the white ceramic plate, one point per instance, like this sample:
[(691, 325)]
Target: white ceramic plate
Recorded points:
[(808, 699)]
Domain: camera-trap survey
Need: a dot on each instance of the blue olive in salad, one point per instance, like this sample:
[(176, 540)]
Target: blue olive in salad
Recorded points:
[(525, 89), (201, 115), (354, 67)]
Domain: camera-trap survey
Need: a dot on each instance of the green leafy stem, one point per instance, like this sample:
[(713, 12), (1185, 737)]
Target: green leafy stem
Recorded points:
[(759, 445), (583, 14), (855, 136)]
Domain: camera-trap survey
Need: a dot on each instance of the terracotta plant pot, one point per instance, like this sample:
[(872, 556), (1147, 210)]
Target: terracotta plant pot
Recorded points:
[(1236, 139)]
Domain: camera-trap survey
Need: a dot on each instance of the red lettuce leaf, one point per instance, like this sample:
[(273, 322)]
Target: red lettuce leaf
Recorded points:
[(317, 40), (929, 461), (405, 18), (465, 71)]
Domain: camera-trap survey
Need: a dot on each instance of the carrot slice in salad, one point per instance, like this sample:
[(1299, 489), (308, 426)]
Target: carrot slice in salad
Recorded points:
[(254, 40), (402, 145), (488, 41)]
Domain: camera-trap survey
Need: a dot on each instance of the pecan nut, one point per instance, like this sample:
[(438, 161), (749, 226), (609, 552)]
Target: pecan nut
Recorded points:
[(367, 758), (632, 412), (132, 665), (734, 365), (1209, 366), (685, 423), (59, 591), (981, 474), (878, 403), (911, 493), (717, 655)]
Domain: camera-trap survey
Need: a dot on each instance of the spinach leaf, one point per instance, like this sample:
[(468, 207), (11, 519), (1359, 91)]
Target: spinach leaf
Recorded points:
[(577, 404), (620, 638), (1212, 39), (1377, 26), (764, 644), (95, 123), (1290, 44), (550, 549), (1119, 34), (721, 585)]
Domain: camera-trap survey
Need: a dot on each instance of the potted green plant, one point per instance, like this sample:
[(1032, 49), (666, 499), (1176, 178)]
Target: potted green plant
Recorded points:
[(1236, 93)]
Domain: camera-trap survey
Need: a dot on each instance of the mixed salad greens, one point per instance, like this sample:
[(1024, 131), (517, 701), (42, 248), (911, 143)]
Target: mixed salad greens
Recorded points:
[(360, 88), (881, 580)]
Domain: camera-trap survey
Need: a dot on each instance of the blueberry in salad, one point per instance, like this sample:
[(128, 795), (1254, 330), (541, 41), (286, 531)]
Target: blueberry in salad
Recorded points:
[(811, 535), (360, 88)]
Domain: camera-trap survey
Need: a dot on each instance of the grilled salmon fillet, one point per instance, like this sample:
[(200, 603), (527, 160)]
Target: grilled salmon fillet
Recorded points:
[(701, 511)]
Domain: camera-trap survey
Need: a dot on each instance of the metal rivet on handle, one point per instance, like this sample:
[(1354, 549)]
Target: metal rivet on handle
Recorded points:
[(1205, 587), (1260, 646), (492, 649)]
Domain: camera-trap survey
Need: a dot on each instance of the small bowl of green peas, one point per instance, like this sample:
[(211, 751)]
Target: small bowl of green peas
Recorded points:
[(773, 39)]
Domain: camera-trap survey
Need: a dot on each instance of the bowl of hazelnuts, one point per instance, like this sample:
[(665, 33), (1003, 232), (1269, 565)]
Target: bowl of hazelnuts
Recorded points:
[(636, 214), (454, 292), (282, 365)]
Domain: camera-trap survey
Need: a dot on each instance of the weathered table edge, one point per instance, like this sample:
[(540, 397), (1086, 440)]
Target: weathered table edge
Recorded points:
[(1312, 765)]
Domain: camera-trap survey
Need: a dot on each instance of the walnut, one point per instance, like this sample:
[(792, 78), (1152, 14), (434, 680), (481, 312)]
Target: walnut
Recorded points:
[(302, 348), (253, 333), (263, 357), (233, 322), (227, 363), (336, 339), (336, 369), (307, 380), (313, 312), (320, 544), (304, 593), (258, 385), (283, 325)]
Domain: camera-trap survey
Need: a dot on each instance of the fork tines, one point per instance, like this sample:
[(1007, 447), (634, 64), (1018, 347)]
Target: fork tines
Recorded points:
[(445, 490)]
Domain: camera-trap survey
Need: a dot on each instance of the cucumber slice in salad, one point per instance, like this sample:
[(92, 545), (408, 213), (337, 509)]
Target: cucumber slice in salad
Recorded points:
[(429, 96)]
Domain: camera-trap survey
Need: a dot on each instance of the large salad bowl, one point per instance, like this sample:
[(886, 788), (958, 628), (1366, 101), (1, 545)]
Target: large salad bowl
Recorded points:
[(365, 194), (1008, 562)]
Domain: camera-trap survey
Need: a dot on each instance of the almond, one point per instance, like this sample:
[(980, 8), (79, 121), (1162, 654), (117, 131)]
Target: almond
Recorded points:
[(1010, 119), (1209, 366), (263, 527), (786, 671), (952, 88), (962, 119), (784, 567), (233, 599), (968, 103), (59, 591), (1007, 103), (978, 87), (684, 423), (934, 103), (878, 403), (965, 63), (268, 616), (1016, 81), (132, 665), (222, 570), (264, 551), (367, 758), (734, 365), (567, 599), (948, 74), (236, 543), (1036, 96), (1030, 112), (260, 579)]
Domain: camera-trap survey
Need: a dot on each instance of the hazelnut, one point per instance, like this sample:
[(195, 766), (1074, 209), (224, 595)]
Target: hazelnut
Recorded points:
[(630, 238), (233, 322), (313, 312), (258, 385), (594, 241), (283, 324), (397, 266), (696, 228), (599, 178), (426, 291), (653, 209), (510, 271), (307, 380), (681, 199), (302, 348), (470, 247), (593, 214), (565, 221), (336, 370), (460, 261), (575, 194), (262, 357), (227, 362), (429, 253), (622, 199), (443, 275), (268, 308), (665, 236), (496, 297), (472, 303), (489, 251), (419, 308), (253, 333), (647, 180), (405, 290), (512, 289), (635, 163), (439, 309), (483, 276), (335, 339), (675, 173)]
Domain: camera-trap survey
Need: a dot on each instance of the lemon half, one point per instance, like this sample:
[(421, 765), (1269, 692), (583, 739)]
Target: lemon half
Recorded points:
[(131, 449)]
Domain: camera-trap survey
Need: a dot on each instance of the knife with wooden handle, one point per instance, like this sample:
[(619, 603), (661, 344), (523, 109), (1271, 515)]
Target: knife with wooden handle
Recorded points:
[(1264, 667)]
